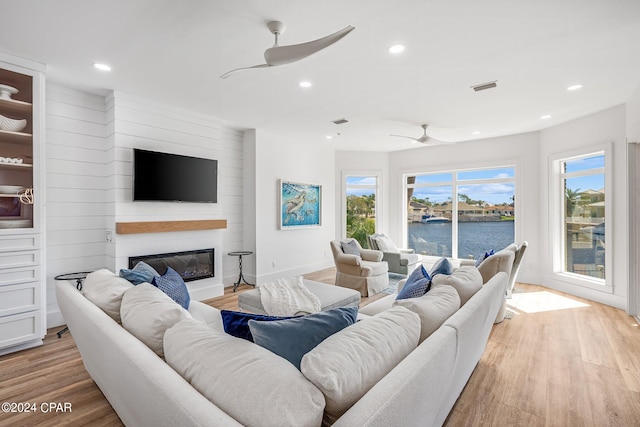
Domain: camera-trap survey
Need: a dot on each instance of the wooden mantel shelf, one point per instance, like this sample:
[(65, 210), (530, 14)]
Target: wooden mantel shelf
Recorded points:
[(169, 226)]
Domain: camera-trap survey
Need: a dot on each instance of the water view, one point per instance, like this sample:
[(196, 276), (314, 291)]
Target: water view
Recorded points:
[(474, 238)]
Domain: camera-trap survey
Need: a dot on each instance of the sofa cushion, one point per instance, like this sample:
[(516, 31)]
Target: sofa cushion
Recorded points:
[(140, 273), (248, 382), (465, 280), (372, 268), (350, 247), (171, 283), (105, 289), (418, 283), (236, 323), (348, 363), (442, 266), (385, 244), (434, 308), (147, 313), (293, 338)]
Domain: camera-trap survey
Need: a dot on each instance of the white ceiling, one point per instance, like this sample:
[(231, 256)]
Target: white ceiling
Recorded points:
[(174, 52)]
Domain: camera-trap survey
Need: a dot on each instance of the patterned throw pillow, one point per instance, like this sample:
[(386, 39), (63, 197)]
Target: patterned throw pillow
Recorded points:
[(171, 283), (418, 283), (141, 273)]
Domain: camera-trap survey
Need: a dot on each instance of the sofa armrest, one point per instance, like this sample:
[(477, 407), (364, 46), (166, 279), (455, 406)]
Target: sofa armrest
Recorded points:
[(468, 262), (406, 251), (371, 255)]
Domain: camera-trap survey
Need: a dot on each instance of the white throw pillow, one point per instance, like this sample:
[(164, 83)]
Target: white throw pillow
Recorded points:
[(385, 244), (348, 363), (147, 313), (434, 308), (248, 382), (105, 289), (467, 280)]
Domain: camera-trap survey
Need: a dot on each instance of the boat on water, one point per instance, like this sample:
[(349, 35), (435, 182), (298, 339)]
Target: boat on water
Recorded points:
[(432, 219)]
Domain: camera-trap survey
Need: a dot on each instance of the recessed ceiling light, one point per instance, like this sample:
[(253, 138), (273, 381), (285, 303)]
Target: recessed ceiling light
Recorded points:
[(477, 132), (545, 117), (575, 87), (396, 48), (328, 137), (101, 67), (305, 84)]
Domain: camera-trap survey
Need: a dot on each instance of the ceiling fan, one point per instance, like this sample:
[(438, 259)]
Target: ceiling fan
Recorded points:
[(425, 138), (282, 55)]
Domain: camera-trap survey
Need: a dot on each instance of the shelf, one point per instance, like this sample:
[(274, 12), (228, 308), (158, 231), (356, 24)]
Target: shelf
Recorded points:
[(169, 226), (16, 137), (13, 106), (24, 166)]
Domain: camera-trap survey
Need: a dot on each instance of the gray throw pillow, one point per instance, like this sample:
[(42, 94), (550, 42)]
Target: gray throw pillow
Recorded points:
[(350, 247)]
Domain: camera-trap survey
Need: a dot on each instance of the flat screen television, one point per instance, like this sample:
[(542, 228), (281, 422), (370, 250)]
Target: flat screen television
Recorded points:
[(174, 178)]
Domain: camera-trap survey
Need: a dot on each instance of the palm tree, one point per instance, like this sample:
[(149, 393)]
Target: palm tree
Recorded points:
[(571, 200)]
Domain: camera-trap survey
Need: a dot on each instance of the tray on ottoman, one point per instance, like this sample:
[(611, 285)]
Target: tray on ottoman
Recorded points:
[(330, 296)]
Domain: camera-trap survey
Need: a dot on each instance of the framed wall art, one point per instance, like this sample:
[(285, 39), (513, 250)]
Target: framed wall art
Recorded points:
[(300, 205)]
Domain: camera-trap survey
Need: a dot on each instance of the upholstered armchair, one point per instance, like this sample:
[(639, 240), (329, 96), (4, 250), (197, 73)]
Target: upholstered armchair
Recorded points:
[(358, 268), (402, 261)]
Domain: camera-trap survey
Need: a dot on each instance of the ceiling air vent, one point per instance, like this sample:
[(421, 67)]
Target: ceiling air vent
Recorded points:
[(340, 121), (483, 86)]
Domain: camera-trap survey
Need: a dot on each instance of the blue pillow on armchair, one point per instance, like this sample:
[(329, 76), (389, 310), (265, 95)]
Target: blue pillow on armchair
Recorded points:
[(442, 266), (418, 283), (171, 283)]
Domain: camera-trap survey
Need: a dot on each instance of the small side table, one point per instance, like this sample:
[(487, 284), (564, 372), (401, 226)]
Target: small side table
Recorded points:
[(241, 278), (78, 277)]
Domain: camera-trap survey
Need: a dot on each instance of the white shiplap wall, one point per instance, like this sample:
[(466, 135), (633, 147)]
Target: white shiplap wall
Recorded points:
[(75, 186), (89, 163)]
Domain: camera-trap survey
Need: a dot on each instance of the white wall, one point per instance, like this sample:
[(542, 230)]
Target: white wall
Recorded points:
[(633, 137), (359, 163), (604, 127), (296, 251), (75, 186)]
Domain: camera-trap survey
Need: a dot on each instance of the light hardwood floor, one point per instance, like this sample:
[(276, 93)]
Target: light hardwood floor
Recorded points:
[(575, 366)]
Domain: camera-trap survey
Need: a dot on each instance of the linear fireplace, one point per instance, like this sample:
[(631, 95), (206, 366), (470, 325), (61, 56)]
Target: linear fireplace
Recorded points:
[(191, 265)]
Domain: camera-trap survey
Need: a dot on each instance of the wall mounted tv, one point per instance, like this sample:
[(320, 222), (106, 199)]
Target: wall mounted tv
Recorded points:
[(174, 178)]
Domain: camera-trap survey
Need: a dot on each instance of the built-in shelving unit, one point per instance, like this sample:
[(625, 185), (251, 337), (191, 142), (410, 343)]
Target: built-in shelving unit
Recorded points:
[(22, 284)]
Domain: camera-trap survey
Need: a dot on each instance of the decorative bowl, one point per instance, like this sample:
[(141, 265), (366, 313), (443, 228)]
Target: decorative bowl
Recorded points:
[(6, 91), (11, 124)]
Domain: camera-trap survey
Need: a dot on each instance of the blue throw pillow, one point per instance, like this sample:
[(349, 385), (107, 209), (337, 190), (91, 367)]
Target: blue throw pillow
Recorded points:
[(171, 283), (485, 256), (141, 273), (237, 323), (293, 338), (418, 283), (442, 266)]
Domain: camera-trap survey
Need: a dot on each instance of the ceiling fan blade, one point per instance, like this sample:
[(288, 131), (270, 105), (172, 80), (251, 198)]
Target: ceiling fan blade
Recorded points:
[(408, 137), (228, 73), (280, 55)]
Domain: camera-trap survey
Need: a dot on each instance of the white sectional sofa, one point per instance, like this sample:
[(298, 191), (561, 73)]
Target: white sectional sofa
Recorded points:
[(418, 390)]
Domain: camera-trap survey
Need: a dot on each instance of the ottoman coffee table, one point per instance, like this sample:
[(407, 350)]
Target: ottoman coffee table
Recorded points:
[(330, 296)]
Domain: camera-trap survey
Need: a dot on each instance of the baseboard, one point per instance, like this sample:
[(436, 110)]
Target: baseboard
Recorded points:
[(19, 347), (54, 318), (296, 271)]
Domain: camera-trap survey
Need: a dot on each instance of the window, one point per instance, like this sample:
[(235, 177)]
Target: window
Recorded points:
[(461, 213), (361, 207), (581, 204)]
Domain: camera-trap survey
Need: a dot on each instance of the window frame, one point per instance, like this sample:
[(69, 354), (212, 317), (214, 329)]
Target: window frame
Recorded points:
[(455, 183), (556, 216), (378, 191)]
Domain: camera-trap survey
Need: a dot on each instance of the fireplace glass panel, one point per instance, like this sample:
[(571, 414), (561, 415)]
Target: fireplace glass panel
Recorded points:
[(190, 265)]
